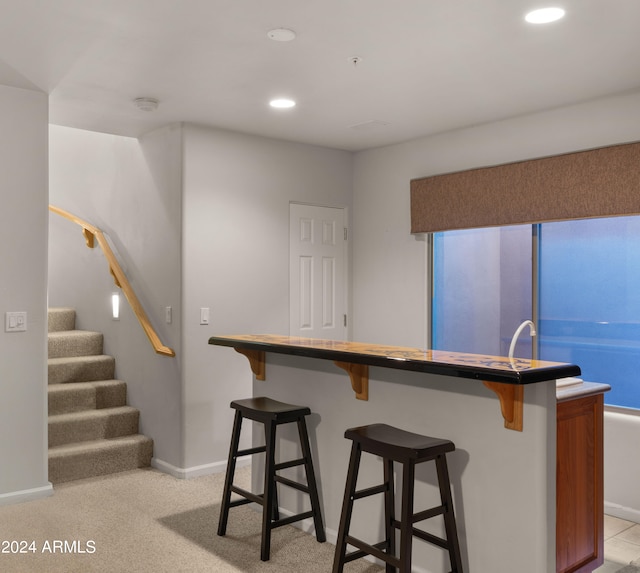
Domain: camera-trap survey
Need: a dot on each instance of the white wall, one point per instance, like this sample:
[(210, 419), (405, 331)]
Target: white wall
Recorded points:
[(23, 279), (236, 195), (131, 190), (622, 463), (215, 236), (389, 271)]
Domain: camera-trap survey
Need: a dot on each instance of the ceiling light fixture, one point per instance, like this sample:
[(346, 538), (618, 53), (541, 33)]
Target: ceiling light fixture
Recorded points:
[(146, 103), (544, 15), (282, 103), (281, 35)]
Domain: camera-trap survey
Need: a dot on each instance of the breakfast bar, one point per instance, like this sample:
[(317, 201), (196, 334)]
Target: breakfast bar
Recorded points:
[(514, 499)]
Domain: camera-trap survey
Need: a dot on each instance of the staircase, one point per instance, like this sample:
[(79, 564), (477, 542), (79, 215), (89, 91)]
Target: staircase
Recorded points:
[(92, 431)]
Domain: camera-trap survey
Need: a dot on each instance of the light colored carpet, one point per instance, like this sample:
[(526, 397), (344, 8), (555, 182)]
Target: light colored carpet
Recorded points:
[(145, 521)]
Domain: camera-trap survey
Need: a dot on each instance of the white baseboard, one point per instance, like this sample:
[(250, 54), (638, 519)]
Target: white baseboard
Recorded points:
[(196, 471), (26, 495), (627, 513)]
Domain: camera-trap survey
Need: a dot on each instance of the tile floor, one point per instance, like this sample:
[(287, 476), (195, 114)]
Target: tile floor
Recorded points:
[(621, 544)]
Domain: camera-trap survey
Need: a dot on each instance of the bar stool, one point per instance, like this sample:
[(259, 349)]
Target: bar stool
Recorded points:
[(393, 444), (271, 413)]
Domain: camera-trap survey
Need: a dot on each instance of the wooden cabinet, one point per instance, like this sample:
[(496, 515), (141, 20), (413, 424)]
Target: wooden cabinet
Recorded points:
[(579, 485)]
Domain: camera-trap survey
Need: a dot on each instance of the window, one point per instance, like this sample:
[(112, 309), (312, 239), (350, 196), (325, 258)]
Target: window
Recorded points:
[(586, 295)]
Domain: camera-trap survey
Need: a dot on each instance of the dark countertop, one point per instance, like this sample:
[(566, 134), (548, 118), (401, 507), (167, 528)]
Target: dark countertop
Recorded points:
[(457, 364)]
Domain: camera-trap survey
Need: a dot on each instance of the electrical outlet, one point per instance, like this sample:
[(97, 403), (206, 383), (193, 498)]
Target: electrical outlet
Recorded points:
[(15, 322)]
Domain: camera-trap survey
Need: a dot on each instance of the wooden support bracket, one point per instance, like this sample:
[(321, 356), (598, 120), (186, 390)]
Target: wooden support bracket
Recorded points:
[(88, 237), (256, 360), (115, 278), (359, 374), (511, 403)]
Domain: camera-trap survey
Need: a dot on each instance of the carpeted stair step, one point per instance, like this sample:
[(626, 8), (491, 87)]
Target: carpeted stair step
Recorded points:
[(100, 457), (81, 369), (91, 425), (68, 398), (67, 343), (61, 319), (92, 431)]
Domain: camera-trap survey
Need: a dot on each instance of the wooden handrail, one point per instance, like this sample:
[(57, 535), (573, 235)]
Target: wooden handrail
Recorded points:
[(91, 234)]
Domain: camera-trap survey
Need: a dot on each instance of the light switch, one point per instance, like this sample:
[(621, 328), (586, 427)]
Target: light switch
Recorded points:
[(15, 322), (204, 316), (167, 314)]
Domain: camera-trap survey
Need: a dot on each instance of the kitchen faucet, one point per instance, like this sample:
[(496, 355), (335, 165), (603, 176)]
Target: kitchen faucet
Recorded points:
[(532, 332)]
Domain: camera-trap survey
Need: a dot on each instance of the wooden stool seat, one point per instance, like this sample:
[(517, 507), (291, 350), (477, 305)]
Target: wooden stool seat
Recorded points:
[(398, 445), (409, 449), (263, 409), (271, 414)]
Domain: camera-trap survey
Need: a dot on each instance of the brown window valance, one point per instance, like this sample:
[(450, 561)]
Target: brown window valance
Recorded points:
[(602, 182)]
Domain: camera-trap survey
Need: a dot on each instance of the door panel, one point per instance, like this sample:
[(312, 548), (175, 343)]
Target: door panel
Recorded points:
[(317, 274)]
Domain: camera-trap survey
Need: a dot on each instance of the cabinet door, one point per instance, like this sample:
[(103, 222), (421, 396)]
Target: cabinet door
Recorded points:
[(579, 485)]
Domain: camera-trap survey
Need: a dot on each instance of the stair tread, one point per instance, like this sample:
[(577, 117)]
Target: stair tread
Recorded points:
[(81, 460), (71, 333), (64, 343), (88, 414), (80, 396), (74, 369), (94, 357), (102, 444), (72, 386)]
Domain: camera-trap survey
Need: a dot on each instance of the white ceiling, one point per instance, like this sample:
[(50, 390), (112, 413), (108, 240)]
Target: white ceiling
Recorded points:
[(427, 65)]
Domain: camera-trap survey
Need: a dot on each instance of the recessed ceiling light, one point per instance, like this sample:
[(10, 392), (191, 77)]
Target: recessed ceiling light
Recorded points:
[(281, 35), (282, 103), (544, 15)]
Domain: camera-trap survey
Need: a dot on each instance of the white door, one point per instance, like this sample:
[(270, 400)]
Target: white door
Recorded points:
[(316, 272)]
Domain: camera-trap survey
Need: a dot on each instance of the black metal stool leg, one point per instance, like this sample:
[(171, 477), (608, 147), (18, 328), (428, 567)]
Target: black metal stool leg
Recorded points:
[(347, 508), (449, 515), (231, 468), (389, 513), (311, 480), (269, 487), (406, 516)]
